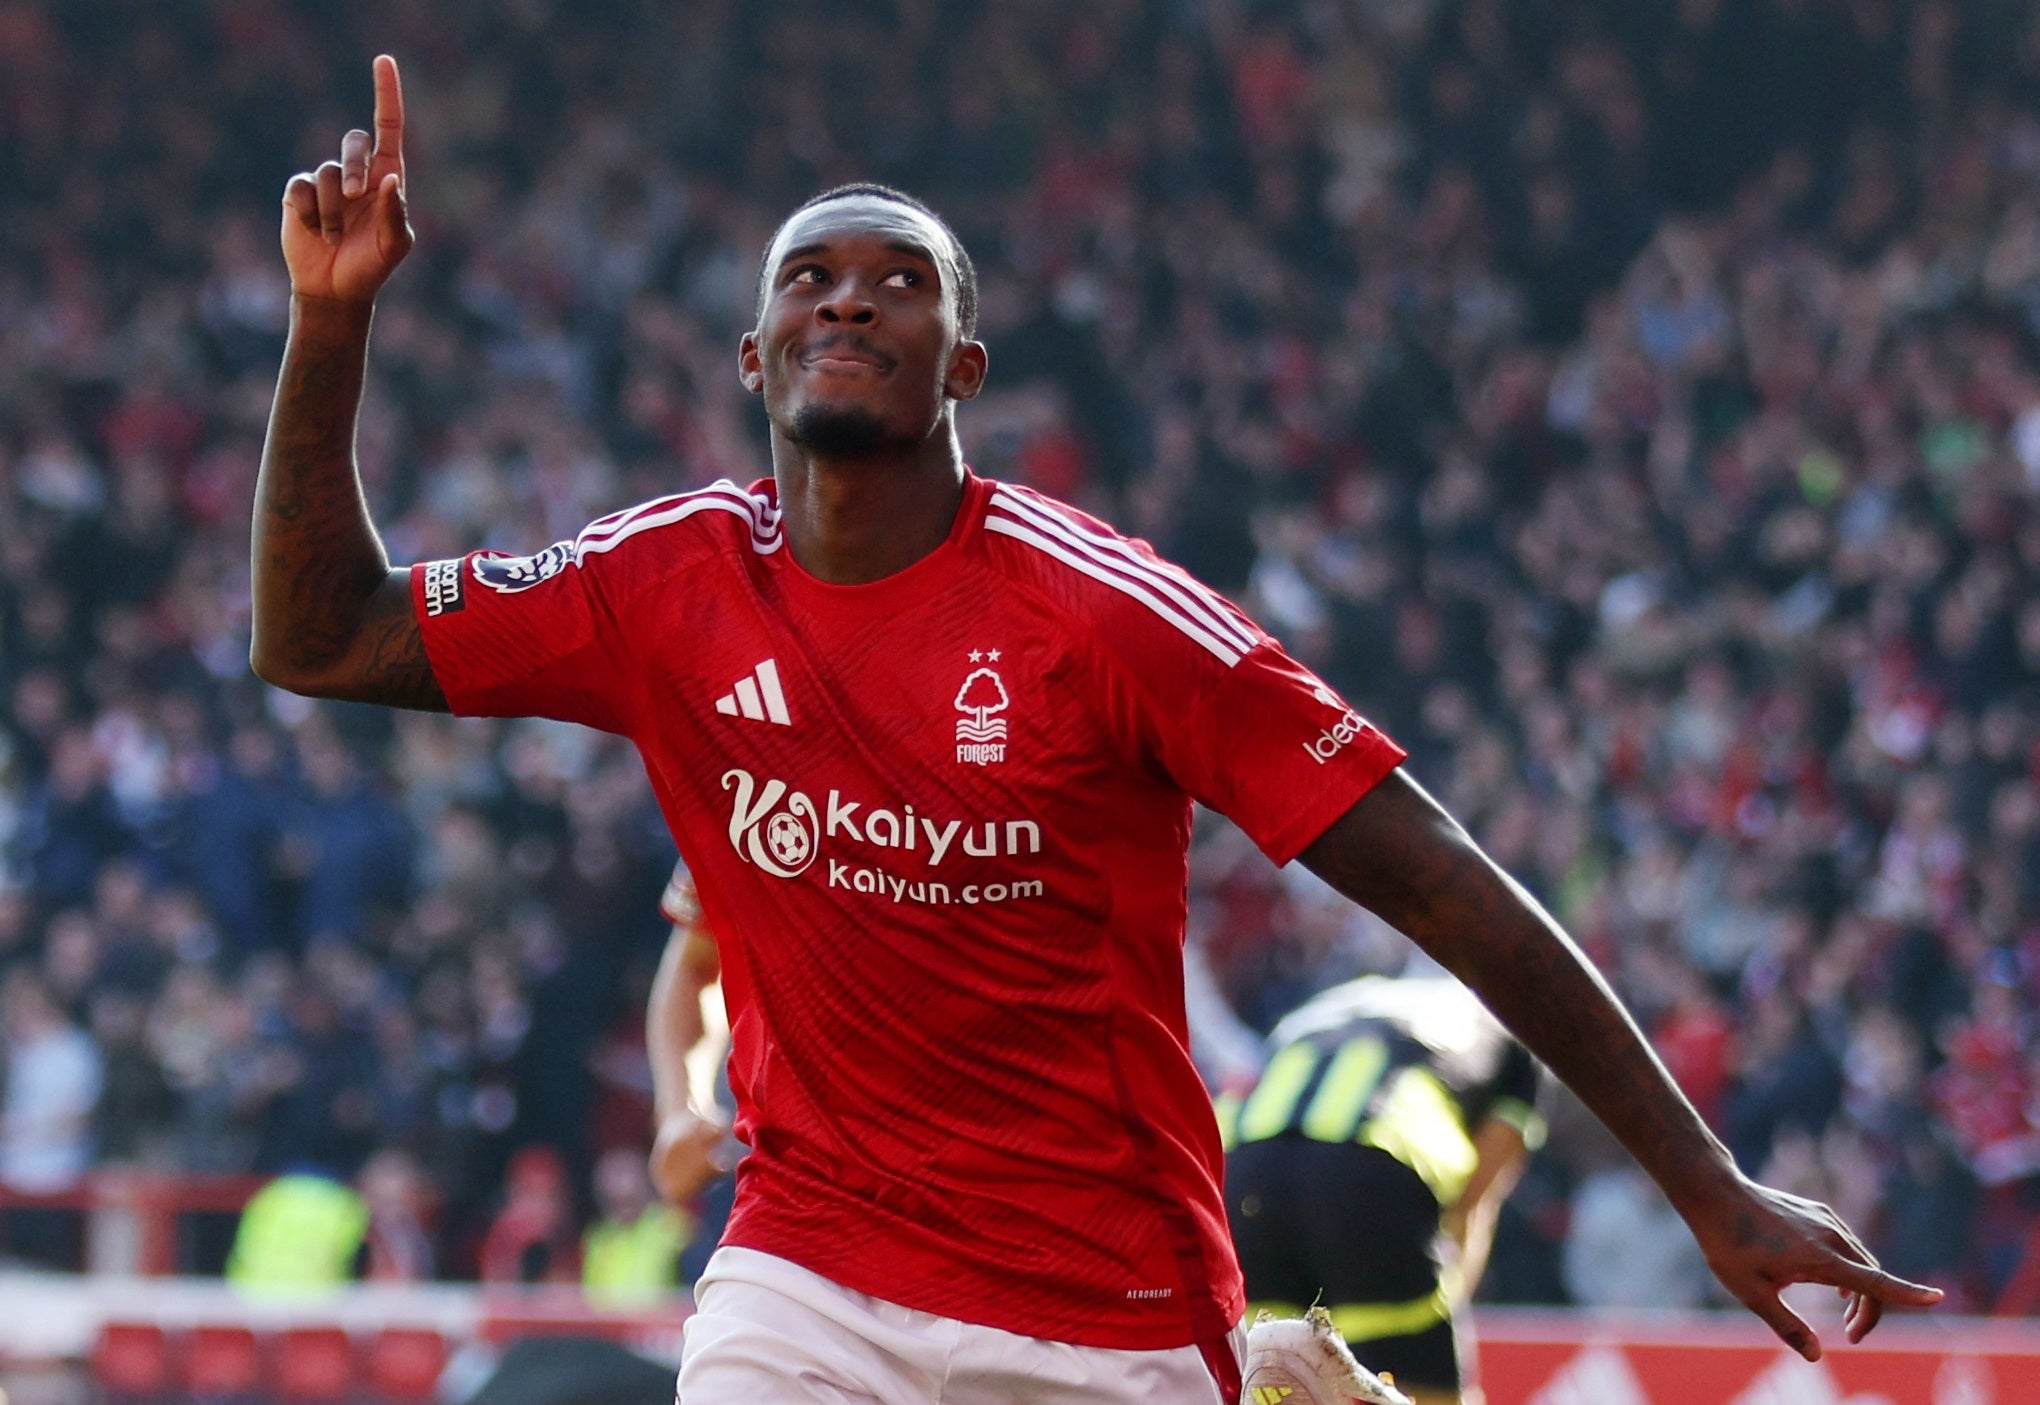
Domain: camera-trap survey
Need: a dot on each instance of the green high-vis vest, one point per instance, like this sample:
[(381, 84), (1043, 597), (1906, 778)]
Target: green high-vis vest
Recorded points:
[(299, 1232)]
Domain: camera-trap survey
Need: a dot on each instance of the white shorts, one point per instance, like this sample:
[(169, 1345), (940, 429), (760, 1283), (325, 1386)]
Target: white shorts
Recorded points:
[(768, 1330)]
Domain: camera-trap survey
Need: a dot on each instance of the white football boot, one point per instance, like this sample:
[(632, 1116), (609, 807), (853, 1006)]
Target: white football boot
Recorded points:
[(1303, 1361)]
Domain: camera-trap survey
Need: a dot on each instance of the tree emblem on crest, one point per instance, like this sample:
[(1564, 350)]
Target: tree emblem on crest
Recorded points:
[(981, 695)]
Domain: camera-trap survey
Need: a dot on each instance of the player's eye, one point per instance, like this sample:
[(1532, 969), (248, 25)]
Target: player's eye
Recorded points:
[(806, 273), (901, 278)]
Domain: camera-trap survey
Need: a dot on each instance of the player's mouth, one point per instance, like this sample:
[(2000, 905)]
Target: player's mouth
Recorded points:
[(844, 356)]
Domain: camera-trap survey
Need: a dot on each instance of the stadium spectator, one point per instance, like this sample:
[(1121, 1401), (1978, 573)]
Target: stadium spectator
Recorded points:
[(55, 1074), (301, 1232), (400, 1203), (630, 1255), (532, 1238), (1627, 1247)]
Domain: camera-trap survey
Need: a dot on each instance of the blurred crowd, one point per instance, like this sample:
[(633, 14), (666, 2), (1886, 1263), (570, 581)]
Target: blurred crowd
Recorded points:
[(1634, 408)]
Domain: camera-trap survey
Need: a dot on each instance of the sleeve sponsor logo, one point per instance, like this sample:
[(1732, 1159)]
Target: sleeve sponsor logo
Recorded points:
[(511, 574), (443, 589), (1335, 738)]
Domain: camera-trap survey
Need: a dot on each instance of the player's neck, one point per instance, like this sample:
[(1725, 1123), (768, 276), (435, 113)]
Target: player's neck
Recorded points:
[(856, 521)]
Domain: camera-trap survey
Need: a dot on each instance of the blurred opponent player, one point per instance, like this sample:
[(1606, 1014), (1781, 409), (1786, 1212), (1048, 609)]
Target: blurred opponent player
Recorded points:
[(1365, 1167), (930, 743)]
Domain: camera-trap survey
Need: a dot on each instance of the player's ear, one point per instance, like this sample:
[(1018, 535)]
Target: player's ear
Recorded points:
[(749, 369), (966, 375)]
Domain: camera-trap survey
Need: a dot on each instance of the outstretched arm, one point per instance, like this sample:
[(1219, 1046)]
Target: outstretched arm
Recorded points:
[(1398, 853), (331, 618)]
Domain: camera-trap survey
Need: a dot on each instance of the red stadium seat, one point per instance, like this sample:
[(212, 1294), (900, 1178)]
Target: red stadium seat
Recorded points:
[(404, 1363), (312, 1365), (131, 1360), (221, 1362)]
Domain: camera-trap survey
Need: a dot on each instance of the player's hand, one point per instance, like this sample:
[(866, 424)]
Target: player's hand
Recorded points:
[(687, 1155), (1763, 1240), (345, 228)]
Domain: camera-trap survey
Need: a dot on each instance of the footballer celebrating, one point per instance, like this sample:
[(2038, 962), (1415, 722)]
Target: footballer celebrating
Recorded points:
[(930, 743)]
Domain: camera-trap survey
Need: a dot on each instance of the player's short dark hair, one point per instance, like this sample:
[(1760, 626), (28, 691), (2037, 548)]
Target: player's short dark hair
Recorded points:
[(966, 271)]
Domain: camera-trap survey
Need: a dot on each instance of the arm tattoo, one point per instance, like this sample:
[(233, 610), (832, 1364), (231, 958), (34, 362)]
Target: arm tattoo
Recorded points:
[(330, 617), (395, 667), (1399, 854)]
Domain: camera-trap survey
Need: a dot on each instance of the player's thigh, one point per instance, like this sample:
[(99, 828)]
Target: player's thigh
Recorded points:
[(777, 1334), (999, 1368), (741, 1360)]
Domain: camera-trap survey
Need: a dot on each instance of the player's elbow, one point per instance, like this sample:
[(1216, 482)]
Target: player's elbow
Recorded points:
[(280, 668), (348, 646), (273, 672), (264, 664)]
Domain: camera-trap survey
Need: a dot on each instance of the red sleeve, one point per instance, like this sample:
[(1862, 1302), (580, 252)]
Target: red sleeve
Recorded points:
[(527, 636), (1268, 745), (1229, 717)]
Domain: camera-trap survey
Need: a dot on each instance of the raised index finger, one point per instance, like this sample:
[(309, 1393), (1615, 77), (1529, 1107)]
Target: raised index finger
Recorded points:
[(389, 110)]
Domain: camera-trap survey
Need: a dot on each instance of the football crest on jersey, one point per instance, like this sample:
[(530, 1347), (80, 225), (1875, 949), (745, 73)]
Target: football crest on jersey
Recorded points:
[(510, 574), (981, 731)]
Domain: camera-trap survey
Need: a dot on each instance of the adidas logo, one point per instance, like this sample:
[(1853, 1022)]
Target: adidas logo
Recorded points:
[(757, 697)]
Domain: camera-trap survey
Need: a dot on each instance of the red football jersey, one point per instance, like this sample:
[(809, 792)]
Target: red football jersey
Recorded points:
[(940, 825)]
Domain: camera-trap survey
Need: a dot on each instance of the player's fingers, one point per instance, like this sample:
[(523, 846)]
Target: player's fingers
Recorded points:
[(389, 110), (301, 198), (1873, 1282), (1863, 1315), (1789, 1325), (1848, 1266), (396, 220), (354, 163), (332, 205)]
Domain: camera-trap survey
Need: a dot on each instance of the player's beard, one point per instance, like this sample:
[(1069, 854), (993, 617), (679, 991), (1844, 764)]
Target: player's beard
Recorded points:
[(838, 431)]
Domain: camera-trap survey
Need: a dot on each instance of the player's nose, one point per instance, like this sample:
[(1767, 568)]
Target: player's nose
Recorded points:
[(850, 300)]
